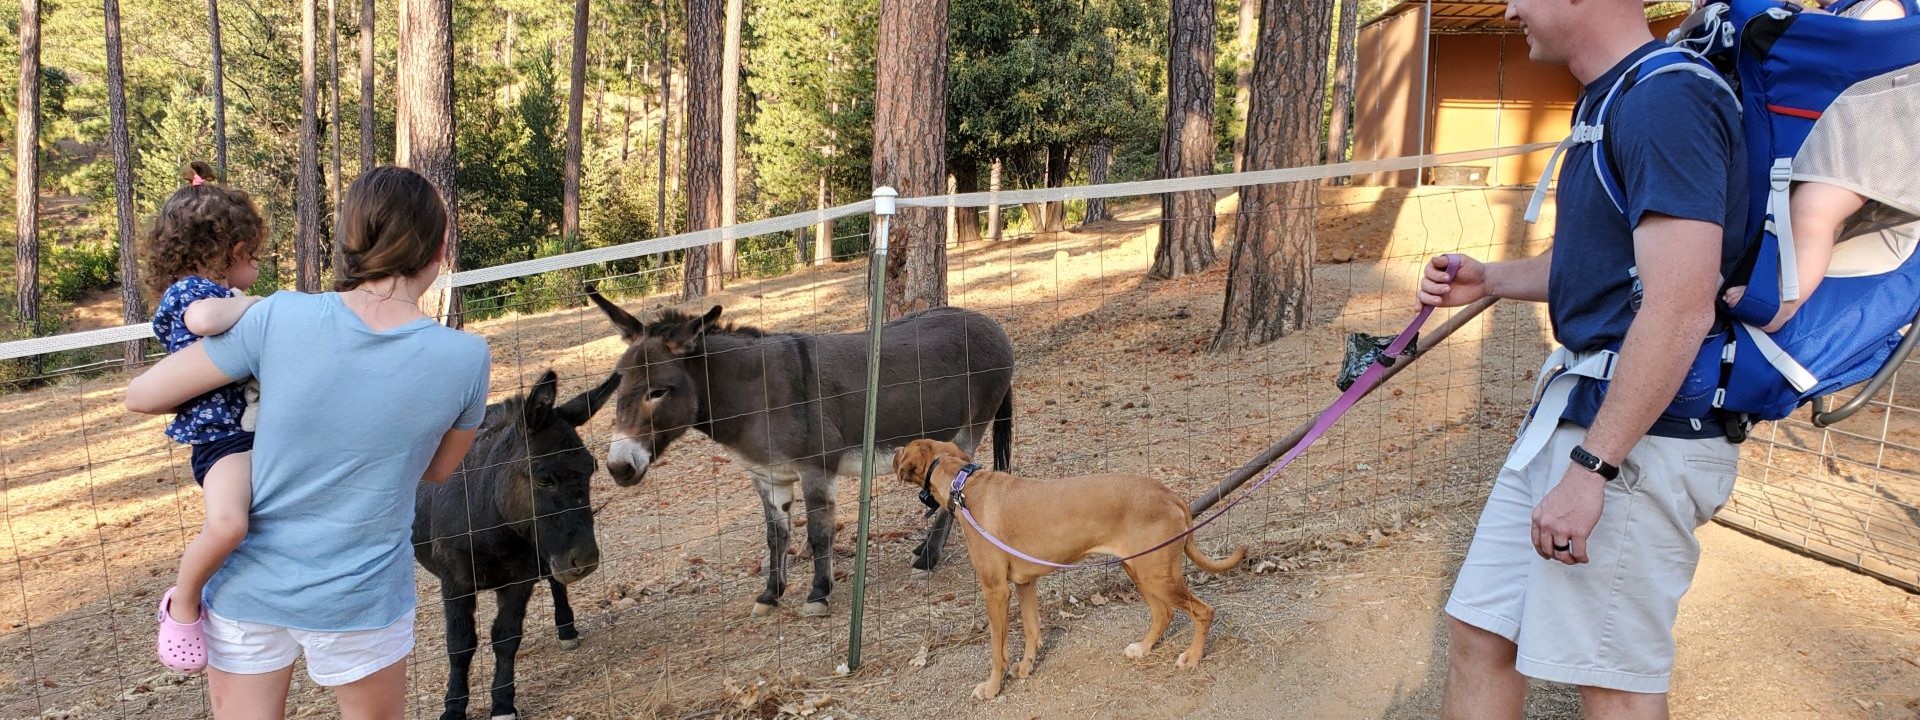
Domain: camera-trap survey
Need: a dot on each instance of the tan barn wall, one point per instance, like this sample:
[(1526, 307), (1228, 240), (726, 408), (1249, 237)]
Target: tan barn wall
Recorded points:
[(1481, 92), (1486, 93), (1387, 96)]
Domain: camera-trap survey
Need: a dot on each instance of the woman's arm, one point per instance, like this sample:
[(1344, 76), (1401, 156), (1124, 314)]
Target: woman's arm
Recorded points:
[(452, 451), (174, 380)]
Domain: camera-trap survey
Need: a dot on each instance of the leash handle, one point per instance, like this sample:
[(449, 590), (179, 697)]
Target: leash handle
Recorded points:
[(1328, 417)]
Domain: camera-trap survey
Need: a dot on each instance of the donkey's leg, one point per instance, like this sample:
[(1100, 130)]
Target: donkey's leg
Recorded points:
[(818, 490), (462, 640), (776, 501), (928, 555), (563, 615), (509, 622)]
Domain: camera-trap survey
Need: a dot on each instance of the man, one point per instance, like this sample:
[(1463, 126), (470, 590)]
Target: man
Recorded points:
[(1574, 577)]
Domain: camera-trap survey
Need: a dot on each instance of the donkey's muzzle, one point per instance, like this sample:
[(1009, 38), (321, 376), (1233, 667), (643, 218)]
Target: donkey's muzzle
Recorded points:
[(627, 461), (573, 566)]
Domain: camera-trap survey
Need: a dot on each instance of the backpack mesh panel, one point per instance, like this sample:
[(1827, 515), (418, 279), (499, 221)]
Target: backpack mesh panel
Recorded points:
[(1861, 143)]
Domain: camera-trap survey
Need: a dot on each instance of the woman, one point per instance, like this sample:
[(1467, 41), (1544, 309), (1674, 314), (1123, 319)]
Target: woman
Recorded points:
[(363, 397)]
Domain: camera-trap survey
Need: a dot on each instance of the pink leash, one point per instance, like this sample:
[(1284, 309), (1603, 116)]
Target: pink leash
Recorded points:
[(1328, 417)]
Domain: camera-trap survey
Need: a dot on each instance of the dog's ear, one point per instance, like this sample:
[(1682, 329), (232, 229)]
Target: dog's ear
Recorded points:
[(910, 462)]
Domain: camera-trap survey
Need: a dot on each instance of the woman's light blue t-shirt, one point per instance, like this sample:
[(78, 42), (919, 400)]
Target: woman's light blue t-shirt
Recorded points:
[(349, 419)]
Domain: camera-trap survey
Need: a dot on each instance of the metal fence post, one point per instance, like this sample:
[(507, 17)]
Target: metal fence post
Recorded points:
[(883, 209)]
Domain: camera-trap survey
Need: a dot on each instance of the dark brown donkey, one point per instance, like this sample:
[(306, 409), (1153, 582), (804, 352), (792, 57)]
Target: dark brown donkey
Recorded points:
[(518, 513), (792, 407)]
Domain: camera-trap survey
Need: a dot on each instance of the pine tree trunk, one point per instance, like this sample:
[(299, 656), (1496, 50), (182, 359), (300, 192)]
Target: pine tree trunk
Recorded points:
[(646, 128), (1343, 69), (132, 309), (705, 19), (401, 85), (366, 86), (506, 52), (730, 137), (1099, 160), (219, 88), (1269, 283), (576, 96), (26, 177), (910, 146), (1186, 144), (966, 220), (428, 107), (993, 208), (823, 230), (666, 115), (306, 238), (339, 257), (1057, 170), (1243, 76), (626, 116)]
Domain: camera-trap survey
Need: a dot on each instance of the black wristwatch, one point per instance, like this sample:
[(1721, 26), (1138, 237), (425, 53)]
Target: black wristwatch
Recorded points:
[(1593, 463)]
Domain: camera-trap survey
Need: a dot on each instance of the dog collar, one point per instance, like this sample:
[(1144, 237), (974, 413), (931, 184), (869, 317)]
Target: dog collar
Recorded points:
[(958, 498), (926, 490)]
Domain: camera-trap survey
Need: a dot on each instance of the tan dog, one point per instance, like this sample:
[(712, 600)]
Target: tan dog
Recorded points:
[(1062, 521)]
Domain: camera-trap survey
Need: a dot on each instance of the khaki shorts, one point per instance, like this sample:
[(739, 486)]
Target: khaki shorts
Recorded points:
[(1608, 623)]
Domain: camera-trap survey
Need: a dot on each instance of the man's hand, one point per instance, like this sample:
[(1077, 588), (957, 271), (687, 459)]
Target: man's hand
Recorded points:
[(1510, 279), (1565, 518), (1469, 283)]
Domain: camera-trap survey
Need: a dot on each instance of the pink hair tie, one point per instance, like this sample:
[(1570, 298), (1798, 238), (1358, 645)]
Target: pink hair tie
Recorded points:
[(198, 181)]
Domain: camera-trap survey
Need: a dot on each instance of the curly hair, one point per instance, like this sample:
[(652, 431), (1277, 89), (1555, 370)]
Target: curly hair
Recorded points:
[(198, 229)]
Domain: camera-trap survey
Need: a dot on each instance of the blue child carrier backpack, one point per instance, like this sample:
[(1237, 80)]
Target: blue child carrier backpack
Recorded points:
[(1823, 97)]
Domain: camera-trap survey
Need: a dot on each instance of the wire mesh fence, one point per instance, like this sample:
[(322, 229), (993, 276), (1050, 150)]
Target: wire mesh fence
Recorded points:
[(1111, 372), (1848, 493)]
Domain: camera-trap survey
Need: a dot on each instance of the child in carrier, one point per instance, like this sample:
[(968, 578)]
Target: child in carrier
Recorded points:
[(201, 255), (1823, 213)]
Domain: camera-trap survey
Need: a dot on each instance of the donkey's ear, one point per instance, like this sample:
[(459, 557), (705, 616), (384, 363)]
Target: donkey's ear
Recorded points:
[(539, 406), (583, 406), (630, 327), (686, 338)]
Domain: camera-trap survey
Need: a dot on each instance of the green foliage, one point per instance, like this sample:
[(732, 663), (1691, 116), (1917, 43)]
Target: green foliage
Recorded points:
[(1025, 74), (69, 272), (810, 83), (1028, 74)]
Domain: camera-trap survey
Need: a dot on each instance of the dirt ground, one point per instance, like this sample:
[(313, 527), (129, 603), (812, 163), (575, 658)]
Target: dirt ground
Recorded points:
[(1336, 614)]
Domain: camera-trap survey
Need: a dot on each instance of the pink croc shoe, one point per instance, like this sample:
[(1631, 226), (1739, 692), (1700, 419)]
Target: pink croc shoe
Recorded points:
[(182, 646)]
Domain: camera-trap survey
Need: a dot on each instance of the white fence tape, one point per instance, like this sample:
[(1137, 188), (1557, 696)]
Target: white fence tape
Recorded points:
[(795, 221)]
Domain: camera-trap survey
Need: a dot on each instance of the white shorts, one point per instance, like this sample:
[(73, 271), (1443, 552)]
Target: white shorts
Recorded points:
[(1608, 623), (333, 658)]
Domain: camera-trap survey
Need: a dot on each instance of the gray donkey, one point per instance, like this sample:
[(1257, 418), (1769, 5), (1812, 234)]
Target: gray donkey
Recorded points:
[(792, 408)]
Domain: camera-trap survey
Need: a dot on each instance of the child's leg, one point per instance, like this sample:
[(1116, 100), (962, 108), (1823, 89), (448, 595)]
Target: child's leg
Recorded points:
[(1818, 211), (229, 490), (1885, 10)]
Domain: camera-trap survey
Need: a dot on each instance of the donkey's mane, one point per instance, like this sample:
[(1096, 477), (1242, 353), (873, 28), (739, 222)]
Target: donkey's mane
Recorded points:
[(497, 434), (675, 318)]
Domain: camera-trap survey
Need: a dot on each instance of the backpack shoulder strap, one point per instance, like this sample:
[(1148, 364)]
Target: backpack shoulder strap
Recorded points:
[(1653, 64), (1590, 128)]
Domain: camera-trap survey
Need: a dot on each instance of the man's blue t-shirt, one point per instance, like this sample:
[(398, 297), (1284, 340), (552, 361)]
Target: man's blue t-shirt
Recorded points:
[(1676, 147), (349, 420)]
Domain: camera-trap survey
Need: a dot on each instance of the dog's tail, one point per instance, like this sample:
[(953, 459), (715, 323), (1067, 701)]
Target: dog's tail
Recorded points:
[(1003, 434), (1211, 565)]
